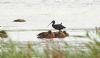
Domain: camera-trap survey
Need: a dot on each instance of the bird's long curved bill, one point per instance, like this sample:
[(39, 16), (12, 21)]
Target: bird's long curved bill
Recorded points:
[(50, 23)]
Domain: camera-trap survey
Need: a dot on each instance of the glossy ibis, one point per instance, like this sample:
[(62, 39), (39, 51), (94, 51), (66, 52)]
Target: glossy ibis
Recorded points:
[(57, 26)]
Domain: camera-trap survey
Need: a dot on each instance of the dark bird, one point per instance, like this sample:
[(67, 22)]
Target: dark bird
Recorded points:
[(57, 26)]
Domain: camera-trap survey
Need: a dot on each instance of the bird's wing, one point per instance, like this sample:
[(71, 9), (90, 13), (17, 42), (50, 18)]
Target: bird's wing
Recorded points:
[(60, 26)]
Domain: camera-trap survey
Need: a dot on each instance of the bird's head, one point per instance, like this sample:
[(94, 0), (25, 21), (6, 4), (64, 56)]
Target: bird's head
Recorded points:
[(52, 22), (49, 31)]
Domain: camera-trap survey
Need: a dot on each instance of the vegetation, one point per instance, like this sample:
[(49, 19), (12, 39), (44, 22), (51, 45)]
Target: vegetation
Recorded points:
[(10, 50)]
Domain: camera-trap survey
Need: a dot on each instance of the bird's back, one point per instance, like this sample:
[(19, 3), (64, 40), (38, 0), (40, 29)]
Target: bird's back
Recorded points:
[(58, 26)]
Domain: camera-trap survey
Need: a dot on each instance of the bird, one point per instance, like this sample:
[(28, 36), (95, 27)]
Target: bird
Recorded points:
[(57, 26), (66, 34), (61, 34), (48, 35)]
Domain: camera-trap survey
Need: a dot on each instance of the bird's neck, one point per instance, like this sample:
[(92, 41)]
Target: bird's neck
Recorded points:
[(53, 24)]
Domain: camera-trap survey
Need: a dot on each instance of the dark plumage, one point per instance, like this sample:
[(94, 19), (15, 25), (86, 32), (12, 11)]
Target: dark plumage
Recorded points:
[(57, 26)]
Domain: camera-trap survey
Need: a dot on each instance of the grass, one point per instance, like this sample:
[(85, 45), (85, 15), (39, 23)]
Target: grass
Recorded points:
[(10, 50), (94, 49)]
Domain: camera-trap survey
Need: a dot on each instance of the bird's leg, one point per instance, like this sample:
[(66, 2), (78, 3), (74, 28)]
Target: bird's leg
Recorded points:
[(59, 30)]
